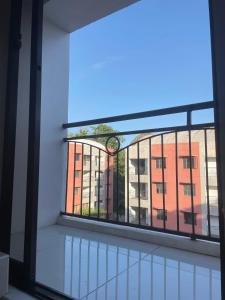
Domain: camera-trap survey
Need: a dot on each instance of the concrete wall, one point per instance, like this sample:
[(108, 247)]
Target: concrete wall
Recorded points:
[(54, 112)]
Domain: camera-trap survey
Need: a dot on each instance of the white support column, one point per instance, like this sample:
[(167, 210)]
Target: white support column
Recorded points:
[(54, 112)]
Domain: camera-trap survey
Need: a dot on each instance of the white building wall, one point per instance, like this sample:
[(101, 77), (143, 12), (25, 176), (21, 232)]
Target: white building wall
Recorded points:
[(54, 112)]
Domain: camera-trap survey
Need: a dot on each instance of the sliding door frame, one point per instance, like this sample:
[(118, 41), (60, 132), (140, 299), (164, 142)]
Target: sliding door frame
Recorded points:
[(9, 140), (217, 23)]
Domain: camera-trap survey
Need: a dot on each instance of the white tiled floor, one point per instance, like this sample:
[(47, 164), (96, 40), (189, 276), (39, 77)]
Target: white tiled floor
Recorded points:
[(88, 265)]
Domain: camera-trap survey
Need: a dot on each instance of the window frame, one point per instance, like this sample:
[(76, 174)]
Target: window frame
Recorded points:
[(189, 214), (189, 193), (189, 164), (164, 188), (162, 215), (160, 162)]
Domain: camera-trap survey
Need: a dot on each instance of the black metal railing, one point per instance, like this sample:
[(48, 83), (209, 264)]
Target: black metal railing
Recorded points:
[(160, 181)]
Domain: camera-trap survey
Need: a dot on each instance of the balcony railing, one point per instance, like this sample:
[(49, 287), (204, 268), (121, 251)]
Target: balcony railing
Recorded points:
[(179, 181)]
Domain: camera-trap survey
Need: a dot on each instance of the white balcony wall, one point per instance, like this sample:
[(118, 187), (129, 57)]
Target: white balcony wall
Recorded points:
[(54, 112)]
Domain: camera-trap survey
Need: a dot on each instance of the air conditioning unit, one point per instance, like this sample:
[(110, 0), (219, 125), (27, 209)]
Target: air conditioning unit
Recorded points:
[(4, 274)]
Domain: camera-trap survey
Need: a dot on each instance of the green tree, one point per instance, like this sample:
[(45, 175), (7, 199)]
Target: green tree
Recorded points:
[(102, 129), (82, 132), (99, 129)]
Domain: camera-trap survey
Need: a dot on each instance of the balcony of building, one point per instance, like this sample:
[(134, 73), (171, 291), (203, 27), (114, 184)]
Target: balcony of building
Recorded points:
[(118, 220), (158, 236), (161, 228)]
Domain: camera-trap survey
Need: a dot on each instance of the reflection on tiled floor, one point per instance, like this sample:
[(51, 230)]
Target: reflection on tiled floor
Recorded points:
[(88, 265)]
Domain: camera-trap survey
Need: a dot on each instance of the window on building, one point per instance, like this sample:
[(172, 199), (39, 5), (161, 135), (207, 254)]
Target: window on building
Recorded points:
[(189, 162), (86, 159), (143, 191), (161, 214), (77, 156), (96, 160), (160, 162), (188, 188), (97, 173), (77, 190), (96, 203), (160, 188), (77, 173), (188, 218), (96, 189), (142, 166)]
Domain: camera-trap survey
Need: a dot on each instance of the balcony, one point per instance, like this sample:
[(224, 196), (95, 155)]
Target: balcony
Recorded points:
[(121, 238), (91, 265)]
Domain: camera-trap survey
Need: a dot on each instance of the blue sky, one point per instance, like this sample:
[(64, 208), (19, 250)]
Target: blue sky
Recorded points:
[(153, 54)]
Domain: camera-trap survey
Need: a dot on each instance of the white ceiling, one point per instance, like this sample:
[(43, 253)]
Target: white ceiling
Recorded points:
[(71, 15)]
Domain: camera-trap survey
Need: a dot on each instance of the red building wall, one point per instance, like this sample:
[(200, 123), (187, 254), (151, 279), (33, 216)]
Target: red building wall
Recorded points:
[(171, 191)]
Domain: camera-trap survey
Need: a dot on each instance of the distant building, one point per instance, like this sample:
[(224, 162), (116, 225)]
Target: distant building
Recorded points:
[(89, 179), (154, 165)]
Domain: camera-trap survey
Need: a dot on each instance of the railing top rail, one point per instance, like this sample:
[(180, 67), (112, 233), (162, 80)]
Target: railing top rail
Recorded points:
[(151, 130), (146, 114)]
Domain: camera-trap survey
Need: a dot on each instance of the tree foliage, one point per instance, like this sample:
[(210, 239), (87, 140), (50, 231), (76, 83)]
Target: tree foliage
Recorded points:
[(99, 129), (82, 132)]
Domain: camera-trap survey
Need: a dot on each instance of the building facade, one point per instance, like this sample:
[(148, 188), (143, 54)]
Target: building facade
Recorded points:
[(89, 179), (170, 185)]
